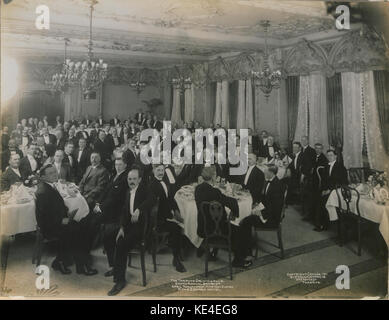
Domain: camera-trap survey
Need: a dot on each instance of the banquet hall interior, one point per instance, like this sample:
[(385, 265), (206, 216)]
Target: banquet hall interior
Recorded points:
[(288, 71)]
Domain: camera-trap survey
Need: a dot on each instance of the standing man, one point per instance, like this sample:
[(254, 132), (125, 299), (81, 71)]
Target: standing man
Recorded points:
[(82, 158), (308, 159)]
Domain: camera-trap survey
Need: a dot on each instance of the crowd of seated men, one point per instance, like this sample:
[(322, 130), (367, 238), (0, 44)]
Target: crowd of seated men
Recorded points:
[(102, 158)]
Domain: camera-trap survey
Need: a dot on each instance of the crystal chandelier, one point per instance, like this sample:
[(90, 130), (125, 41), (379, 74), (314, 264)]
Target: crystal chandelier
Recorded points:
[(138, 85), (60, 81), (267, 79), (90, 73)]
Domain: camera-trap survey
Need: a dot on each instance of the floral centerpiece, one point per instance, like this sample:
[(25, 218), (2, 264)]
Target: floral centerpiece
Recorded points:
[(378, 181)]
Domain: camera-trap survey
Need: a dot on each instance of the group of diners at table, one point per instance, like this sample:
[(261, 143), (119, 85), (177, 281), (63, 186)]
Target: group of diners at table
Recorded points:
[(103, 160)]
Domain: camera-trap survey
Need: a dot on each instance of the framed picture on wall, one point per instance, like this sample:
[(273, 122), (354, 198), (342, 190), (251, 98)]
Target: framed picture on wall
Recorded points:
[(90, 96)]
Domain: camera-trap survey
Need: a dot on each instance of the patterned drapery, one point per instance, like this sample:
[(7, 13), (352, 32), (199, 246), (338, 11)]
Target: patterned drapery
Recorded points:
[(381, 84), (335, 110)]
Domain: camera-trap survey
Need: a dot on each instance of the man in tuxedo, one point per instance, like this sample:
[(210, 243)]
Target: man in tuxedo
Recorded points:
[(321, 162), (253, 179), (6, 153), (132, 130), (28, 164), (82, 158), (69, 159), (86, 121), (206, 192), (335, 174), (115, 121), (104, 148), (100, 121), (262, 147), (307, 166), (139, 116), (12, 174), (94, 180), (72, 137), (64, 171), (167, 209), (130, 155), (295, 171), (55, 221), (60, 142), (4, 138), (157, 124), (26, 139), (270, 148), (82, 134), (272, 200), (137, 205)]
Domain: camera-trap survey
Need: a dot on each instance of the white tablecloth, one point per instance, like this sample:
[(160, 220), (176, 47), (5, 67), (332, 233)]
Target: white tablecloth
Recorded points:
[(368, 209), (20, 218), (188, 209)]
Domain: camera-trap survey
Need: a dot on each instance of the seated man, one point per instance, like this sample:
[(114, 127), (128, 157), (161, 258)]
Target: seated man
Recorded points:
[(94, 180), (28, 164), (6, 153), (167, 209), (335, 174), (206, 192), (253, 180), (138, 202), (12, 174), (63, 169), (55, 221)]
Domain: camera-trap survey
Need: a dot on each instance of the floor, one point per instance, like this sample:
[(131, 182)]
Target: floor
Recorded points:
[(308, 271)]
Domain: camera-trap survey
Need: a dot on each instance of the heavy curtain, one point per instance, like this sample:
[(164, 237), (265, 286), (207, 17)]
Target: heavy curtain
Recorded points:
[(222, 114), (245, 114), (292, 99), (176, 109), (352, 119), (303, 112), (378, 158), (189, 103), (381, 84), (335, 110)]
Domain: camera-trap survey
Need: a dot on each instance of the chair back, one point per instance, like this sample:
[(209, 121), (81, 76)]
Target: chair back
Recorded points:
[(346, 194), (319, 172), (213, 211)]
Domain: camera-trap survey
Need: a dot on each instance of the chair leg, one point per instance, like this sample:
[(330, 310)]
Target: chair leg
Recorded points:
[(154, 253), (142, 263), (280, 244)]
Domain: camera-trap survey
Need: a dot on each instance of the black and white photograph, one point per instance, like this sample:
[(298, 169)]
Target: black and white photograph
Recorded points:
[(194, 149)]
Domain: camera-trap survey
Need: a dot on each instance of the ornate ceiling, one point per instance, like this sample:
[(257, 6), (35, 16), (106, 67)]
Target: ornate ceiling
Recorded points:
[(158, 33)]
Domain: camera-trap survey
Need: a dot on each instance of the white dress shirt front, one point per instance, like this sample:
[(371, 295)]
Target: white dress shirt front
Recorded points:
[(132, 199)]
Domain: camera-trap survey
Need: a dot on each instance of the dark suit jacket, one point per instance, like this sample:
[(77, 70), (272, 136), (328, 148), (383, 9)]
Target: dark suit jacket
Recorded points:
[(320, 161), (25, 167), (50, 210), (4, 141), (205, 192), (337, 177), (266, 151), (262, 152), (112, 198), (295, 170), (222, 170), (139, 117), (93, 184), (83, 163), (60, 144), (144, 200), (166, 204), (129, 158), (273, 201), (80, 135), (52, 139), (255, 144), (254, 183), (157, 125), (112, 122), (65, 172), (105, 150), (175, 185), (308, 160), (8, 178)]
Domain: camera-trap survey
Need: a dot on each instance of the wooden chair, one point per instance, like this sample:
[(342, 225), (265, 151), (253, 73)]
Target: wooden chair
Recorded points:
[(319, 172), (214, 236), (141, 248), (277, 229), (346, 193)]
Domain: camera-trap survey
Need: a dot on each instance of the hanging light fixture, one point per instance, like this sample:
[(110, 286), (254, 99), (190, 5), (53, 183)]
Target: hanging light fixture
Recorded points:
[(139, 84), (91, 72), (267, 79), (60, 81)]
